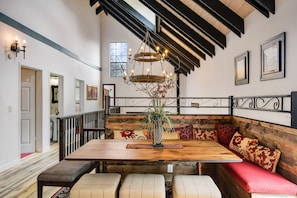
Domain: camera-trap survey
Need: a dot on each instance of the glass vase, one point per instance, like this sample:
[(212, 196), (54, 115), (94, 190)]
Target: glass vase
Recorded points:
[(158, 131)]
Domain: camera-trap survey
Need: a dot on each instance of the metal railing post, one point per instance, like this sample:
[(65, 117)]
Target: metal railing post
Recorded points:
[(294, 109), (231, 105)]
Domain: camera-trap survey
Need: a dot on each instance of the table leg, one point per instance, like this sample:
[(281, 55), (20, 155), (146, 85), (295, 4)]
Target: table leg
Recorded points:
[(199, 168), (98, 167), (104, 167)]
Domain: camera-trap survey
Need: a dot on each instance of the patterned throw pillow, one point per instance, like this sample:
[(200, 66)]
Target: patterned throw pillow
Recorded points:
[(203, 134), (264, 157), (129, 134), (240, 144), (225, 133), (185, 133), (167, 135)]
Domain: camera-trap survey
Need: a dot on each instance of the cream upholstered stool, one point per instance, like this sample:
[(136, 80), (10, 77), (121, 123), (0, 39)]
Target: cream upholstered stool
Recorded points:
[(143, 186), (193, 186), (96, 185)]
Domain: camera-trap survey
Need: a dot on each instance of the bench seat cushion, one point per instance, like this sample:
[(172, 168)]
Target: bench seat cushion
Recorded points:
[(255, 179), (66, 171)]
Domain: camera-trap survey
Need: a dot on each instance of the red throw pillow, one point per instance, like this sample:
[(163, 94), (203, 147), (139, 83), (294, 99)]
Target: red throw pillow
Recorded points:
[(185, 133), (225, 133)]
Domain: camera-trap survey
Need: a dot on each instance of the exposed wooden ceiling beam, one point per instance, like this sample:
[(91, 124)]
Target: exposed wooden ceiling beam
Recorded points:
[(93, 2), (179, 25), (263, 6), (183, 40), (187, 58), (197, 21), (99, 10), (139, 30), (221, 12)]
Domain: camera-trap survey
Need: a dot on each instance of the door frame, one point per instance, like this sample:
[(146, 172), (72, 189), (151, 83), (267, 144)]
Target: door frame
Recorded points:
[(38, 108)]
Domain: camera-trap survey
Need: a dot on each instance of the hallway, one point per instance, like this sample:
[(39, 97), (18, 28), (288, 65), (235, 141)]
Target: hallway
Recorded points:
[(20, 179)]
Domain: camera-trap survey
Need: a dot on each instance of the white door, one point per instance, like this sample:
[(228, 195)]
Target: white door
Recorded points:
[(27, 111)]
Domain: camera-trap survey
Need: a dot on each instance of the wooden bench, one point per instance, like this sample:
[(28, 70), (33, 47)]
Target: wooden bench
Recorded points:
[(269, 135), (66, 173), (246, 180)]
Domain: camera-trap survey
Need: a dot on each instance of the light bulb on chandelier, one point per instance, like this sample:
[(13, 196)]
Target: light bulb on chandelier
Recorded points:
[(145, 62)]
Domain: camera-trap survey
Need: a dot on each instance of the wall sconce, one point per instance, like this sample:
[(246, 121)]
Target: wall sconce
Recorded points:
[(16, 48)]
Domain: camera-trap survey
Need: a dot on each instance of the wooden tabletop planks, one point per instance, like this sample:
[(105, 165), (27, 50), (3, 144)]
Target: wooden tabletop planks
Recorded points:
[(200, 151)]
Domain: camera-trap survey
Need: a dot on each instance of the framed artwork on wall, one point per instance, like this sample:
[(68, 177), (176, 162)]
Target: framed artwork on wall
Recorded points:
[(94, 93), (241, 63), (54, 93), (109, 90), (89, 92), (273, 57)]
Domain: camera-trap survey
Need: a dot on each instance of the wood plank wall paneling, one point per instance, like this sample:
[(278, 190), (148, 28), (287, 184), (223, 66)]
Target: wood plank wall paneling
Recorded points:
[(134, 122), (274, 136)]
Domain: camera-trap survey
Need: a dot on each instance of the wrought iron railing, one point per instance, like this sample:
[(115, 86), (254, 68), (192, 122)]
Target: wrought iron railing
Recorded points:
[(190, 105), (172, 104), (71, 130), (280, 103)]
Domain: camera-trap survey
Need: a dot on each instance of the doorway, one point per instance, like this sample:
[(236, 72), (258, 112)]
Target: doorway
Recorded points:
[(79, 90), (55, 105), (28, 113)]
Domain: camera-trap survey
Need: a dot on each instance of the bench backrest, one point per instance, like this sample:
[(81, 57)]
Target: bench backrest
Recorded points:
[(135, 122), (274, 136)]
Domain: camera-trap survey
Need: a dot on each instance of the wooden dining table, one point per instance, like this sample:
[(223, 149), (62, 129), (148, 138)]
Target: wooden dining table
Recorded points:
[(143, 150)]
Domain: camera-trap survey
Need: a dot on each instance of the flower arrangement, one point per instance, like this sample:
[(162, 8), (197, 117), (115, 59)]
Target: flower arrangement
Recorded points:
[(156, 116)]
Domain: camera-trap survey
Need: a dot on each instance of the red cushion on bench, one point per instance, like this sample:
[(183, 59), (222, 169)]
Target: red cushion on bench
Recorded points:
[(255, 179)]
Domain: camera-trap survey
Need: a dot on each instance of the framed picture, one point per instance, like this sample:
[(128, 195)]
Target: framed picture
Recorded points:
[(273, 57), (94, 93), (54, 93), (89, 92), (109, 90), (242, 69)]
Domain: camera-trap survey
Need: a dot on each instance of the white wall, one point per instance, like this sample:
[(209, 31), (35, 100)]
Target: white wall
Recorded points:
[(220, 69), (215, 77), (73, 25)]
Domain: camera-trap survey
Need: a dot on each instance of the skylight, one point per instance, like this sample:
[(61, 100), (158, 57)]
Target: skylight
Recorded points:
[(142, 9)]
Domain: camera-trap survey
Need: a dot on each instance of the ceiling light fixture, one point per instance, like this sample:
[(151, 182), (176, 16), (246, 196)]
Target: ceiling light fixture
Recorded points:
[(145, 62)]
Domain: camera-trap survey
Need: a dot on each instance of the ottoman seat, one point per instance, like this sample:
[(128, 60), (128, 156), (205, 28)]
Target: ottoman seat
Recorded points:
[(193, 186), (65, 174), (143, 186), (98, 185)]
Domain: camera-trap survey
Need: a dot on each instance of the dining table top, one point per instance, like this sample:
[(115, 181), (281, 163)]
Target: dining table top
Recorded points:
[(143, 150)]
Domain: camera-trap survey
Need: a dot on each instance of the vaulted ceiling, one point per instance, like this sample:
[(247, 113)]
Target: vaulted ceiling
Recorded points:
[(189, 29)]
